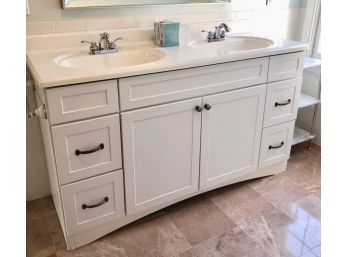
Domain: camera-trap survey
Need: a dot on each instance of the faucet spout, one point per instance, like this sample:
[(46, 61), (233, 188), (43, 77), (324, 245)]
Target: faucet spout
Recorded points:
[(225, 26), (106, 45), (104, 40), (220, 32)]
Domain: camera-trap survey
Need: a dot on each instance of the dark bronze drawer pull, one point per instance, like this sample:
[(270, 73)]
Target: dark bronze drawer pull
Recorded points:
[(100, 147), (105, 200), (275, 147), (281, 104)]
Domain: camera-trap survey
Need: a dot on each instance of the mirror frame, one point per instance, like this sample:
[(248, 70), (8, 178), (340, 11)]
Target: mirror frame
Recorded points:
[(76, 4)]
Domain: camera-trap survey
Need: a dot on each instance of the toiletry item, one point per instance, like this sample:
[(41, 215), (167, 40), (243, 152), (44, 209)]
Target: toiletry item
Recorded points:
[(166, 33)]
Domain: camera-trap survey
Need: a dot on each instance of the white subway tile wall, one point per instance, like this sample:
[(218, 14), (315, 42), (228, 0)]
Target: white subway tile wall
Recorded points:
[(68, 26), (279, 23), (35, 28)]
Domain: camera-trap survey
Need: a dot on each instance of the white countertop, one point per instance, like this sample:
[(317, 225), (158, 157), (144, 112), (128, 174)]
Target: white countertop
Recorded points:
[(47, 73)]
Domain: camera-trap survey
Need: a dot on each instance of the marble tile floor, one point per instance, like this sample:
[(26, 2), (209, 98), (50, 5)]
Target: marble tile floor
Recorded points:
[(268, 217)]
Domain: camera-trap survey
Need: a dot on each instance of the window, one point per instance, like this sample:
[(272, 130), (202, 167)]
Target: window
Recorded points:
[(311, 28), (316, 53)]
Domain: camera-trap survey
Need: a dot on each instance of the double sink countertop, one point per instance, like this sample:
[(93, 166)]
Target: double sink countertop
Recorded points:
[(64, 66)]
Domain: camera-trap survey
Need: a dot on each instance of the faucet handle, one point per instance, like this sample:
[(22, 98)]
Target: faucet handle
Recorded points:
[(92, 48), (89, 42), (112, 44), (117, 39), (210, 34)]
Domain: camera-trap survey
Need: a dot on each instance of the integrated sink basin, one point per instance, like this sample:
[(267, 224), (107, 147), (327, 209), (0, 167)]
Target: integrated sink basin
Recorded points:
[(233, 44), (83, 60)]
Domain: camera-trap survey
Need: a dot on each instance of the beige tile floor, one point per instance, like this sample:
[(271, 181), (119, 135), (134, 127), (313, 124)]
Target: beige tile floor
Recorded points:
[(272, 216)]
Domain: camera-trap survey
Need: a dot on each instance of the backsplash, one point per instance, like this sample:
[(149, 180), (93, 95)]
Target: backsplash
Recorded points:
[(284, 22), (280, 24)]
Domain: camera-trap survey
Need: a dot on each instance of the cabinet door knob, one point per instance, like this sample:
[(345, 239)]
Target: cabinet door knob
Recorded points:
[(207, 106), (198, 108), (284, 103)]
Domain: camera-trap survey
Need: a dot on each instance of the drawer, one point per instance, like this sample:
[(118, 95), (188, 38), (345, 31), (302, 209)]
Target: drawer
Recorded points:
[(282, 101), (276, 144), (87, 148), (82, 101), (285, 66), (92, 202), (170, 86)]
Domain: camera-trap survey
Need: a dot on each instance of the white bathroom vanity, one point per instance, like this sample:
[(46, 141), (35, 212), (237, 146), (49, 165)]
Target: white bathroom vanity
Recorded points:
[(129, 133)]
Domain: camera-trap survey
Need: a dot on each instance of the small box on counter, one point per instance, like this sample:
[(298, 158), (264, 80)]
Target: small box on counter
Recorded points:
[(166, 33)]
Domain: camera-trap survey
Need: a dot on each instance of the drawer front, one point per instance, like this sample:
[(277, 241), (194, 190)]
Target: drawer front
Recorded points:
[(92, 202), (82, 101), (282, 101), (285, 66), (276, 144), (170, 86), (87, 148)]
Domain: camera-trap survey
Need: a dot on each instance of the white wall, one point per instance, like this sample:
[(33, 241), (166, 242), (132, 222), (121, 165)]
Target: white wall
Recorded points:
[(281, 19)]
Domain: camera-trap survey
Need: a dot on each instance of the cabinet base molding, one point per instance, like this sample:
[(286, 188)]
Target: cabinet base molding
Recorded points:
[(88, 236)]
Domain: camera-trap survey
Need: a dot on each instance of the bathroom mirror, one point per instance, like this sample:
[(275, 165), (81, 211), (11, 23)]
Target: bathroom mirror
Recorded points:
[(68, 4)]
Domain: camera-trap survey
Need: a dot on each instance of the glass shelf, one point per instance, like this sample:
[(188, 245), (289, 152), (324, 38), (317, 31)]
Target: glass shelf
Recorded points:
[(301, 135), (306, 100)]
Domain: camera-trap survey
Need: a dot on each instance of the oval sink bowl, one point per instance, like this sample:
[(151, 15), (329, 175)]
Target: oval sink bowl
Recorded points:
[(234, 44), (109, 60)]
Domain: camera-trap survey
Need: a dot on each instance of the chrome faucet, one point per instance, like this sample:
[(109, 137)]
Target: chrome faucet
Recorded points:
[(105, 45), (219, 34)]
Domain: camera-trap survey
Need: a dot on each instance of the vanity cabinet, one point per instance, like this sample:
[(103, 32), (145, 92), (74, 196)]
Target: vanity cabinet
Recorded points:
[(118, 150)]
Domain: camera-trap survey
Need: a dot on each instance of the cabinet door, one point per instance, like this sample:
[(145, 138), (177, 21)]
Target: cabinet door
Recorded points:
[(231, 135), (161, 153)]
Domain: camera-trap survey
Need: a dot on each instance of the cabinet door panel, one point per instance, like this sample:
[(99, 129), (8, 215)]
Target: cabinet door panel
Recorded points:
[(231, 135), (161, 153)]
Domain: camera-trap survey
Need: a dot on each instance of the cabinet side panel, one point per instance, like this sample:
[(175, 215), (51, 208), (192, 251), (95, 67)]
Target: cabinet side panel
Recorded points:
[(52, 171)]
